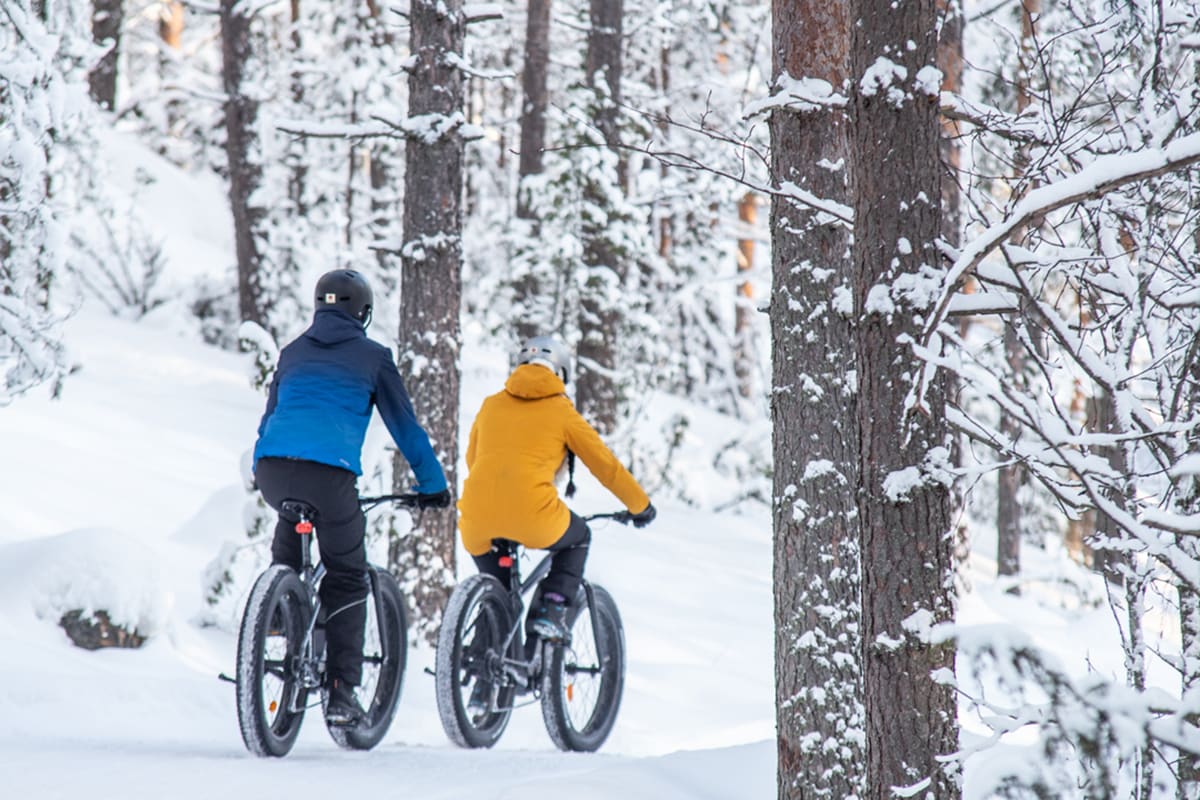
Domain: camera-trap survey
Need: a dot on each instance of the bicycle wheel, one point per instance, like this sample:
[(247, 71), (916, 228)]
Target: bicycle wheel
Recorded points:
[(270, 697), (476, 623), (383, 675), (583, 682)]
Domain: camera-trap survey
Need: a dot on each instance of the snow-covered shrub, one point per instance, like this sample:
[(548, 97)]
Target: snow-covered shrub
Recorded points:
[(213, 304), (89, 571), (254, 339), (119, 262)]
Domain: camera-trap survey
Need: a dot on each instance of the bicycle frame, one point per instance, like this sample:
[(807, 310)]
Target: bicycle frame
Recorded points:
[(308, 669), (526, 672)]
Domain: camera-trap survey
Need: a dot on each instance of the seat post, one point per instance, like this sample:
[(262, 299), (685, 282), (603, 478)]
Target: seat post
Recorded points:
[(509, 552), (305, 543)]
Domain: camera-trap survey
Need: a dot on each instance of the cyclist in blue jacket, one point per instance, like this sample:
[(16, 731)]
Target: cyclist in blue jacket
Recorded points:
[(309, 449)]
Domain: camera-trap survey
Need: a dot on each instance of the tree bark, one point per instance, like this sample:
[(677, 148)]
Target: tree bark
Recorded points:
[(107, 18), (431, 286), (950, 62), (1188, 787), (170, 25), (818, 688), (1009, 517), (598, 394), (296, 155), (1189, 622), (903, 505), (1008, 478), (744, 313), (536, 98), (527, 288), (241, 148)]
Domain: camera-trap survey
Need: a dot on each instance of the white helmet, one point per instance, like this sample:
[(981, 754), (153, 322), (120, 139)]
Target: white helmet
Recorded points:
[(548, 351)]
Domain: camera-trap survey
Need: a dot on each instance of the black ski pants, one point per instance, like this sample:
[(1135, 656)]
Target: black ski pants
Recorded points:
[(566, 568), (341, 527)]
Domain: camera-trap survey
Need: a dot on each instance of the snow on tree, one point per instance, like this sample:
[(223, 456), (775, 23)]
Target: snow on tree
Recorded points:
[(1088, 254), (44, 163), (818, 683), (431, 288)]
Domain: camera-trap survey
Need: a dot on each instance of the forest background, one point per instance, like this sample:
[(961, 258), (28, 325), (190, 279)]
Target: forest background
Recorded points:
[(971, 307)]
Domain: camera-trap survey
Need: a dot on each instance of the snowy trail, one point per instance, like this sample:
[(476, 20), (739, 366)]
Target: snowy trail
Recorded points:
[(127, 486)]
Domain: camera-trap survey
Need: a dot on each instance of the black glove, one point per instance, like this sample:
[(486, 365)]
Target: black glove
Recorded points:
[(643, 518), (437, 500)]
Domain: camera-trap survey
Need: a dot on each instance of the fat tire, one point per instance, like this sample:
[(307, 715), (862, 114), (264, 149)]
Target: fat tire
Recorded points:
[(497, 616), (278, 604), (392, 622), (609, 647)]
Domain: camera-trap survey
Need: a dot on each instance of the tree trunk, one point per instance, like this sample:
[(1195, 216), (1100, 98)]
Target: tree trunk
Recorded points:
[(296, 155), (1188, 787), (241, 151), (598, 393), (903, 505), (1189, 623), (1008, 508), (170, 25), (536, 98), (431, 286), (527, 288), (384, 154), (818, 688), (744, 313), (1008, 478), (950, 62), (107, 18)]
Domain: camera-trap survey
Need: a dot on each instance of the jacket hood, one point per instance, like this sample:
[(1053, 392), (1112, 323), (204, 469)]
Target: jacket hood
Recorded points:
[(533, 382), (331, 326)]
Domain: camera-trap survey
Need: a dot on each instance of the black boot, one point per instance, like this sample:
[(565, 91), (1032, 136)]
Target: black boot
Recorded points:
[(343, 710), (549, 619)]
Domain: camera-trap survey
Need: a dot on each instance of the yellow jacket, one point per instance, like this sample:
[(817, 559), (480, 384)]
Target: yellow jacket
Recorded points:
[(518, 442)]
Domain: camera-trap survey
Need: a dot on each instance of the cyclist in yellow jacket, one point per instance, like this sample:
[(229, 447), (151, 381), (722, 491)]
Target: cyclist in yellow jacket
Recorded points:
[(518, 443)]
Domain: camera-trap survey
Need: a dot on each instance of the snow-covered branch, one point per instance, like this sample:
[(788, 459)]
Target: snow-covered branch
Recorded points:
[(1102, 176)]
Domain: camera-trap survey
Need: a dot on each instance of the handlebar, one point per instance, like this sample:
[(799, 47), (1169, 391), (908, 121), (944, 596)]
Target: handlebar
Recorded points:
[(402, 500), (410, 501), (623, 517)]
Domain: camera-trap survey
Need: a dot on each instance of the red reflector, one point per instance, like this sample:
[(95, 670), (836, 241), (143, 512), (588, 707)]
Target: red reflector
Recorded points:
[(506, 561), (303, 527)]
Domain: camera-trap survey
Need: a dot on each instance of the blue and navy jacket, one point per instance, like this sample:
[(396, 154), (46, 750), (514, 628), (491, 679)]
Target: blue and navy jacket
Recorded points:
[(320, 402)]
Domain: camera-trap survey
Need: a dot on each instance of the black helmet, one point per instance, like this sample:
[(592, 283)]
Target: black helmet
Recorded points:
[(345, 290)]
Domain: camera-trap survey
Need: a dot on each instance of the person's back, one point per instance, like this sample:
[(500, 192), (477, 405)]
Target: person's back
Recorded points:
[(518, 442), (309, 448)]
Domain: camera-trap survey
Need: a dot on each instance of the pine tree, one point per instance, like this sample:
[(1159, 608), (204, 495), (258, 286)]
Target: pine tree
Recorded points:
[(431, 287), (43, 108), (242, 50), (818, 685), (903, 502)]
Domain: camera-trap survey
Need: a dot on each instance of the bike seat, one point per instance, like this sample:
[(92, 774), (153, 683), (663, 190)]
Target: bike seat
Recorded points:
[(506, 546), (298, 508)]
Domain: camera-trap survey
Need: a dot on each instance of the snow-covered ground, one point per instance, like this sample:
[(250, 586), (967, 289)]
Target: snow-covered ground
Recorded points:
[(121, 492)]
